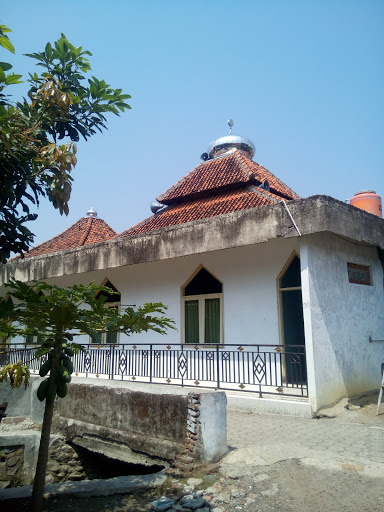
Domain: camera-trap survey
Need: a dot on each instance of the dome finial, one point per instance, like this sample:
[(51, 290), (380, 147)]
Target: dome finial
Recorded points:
[(228, 144), (91, 212)]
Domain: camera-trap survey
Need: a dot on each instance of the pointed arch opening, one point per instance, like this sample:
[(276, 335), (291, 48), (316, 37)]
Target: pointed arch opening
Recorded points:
[(292, 321), (112, 301), (202, 308)]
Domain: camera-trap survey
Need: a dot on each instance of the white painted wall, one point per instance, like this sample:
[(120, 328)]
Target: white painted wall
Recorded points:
[(339, 318), (248, 275)]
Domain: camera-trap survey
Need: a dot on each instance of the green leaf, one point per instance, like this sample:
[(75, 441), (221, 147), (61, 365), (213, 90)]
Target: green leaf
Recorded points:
[(13, 79), (4, 29), (48, 51), (6, 43), (5, 66)]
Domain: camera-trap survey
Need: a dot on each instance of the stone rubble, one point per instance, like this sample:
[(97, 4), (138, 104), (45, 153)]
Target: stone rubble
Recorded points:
[(225, 494), (63, 464)]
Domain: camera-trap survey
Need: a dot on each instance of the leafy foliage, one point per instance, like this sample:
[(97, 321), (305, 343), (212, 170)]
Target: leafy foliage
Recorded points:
[(58, 315), (16, 374), (62, 105)]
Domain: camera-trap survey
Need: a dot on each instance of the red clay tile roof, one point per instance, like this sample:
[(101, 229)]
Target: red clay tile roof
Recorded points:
[(223, 173), (85, 231), (188, 211), (225, 184)]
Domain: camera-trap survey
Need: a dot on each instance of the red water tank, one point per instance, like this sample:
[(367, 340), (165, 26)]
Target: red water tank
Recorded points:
[(369, 201)]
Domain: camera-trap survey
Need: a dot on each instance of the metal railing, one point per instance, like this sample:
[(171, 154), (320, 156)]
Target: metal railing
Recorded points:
[(261, 369)]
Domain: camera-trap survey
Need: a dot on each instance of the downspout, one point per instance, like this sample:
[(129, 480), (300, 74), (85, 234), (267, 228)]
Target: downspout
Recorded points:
[(292, 219)]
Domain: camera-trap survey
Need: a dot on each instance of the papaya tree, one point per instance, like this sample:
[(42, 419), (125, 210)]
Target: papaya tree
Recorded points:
[(57, 316), (38, 134)]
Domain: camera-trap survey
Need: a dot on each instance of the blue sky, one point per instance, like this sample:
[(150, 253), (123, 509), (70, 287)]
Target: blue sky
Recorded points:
[(304, 80)]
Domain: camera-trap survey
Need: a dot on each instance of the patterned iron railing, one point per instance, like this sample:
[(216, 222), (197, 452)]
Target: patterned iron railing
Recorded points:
[(261, 369)]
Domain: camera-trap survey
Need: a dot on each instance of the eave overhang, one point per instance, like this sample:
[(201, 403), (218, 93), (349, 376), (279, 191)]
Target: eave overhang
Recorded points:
[(312, 215)]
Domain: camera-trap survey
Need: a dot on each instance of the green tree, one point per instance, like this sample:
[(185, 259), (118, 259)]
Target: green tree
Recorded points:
[(38, 134), (57, 315)]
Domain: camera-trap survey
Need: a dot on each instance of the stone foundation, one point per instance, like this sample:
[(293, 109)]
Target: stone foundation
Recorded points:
[(11, 466), (63, 464)]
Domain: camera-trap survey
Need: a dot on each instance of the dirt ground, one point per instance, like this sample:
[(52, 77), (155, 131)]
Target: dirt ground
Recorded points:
[(285, 486)]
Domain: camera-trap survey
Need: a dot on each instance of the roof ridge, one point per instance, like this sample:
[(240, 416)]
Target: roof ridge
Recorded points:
[(85, 236), (237, 153), (178, 183), (54, 237), (296, 196), (188, 175), (265, 193)]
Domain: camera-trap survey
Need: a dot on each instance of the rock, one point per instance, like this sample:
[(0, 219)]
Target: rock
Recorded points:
[(162, 504), (13, 471), (212, 468), (63, 457), (192, 502), (217, 509), (194, 482), (53, 466), (235, 492), (5, 485), (49, 479), (75, 477), (249, 501), (224, 497), (215, 489), (180, 508), (12, 461), (260, 478)]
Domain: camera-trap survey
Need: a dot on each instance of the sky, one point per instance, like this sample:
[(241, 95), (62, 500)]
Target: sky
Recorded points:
[(303, 79)]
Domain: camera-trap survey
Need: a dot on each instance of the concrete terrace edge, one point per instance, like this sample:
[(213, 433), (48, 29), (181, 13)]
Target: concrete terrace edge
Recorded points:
[(248, 227), (88, 488), (282, 407)]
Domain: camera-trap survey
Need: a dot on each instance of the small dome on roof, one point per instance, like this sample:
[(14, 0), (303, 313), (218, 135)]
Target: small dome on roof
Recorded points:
[(231, 143), (91, 212), (228, 144)]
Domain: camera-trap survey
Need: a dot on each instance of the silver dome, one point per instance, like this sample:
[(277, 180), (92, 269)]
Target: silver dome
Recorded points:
[(230, 143), (91, 212)]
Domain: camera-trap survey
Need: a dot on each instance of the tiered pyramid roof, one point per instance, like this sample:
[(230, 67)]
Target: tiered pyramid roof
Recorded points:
[(227, 181), (225, 184)]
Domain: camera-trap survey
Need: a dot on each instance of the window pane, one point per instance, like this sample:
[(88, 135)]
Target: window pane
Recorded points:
[(191, 321), (29, 339), (203, 283), (212, 321), (111, 337), (292, 276), (97, 340)]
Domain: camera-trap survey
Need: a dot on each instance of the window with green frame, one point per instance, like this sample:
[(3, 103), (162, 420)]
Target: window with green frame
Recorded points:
[(111, 301), (202, 309)]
